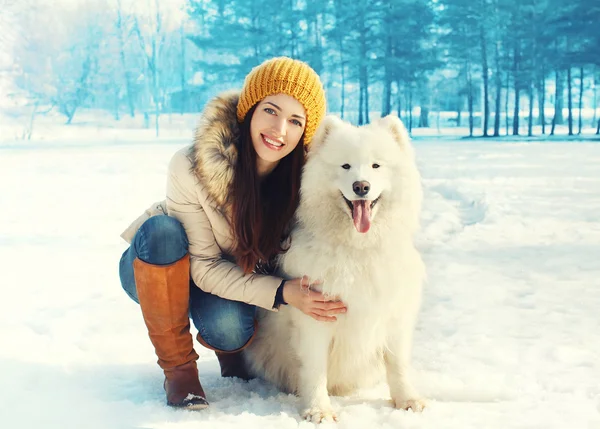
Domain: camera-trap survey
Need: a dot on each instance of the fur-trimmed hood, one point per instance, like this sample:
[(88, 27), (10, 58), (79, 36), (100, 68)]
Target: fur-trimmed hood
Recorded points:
[(214, 151)]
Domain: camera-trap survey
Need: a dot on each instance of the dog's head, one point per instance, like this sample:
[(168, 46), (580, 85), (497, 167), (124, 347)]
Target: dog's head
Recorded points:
[(355, 175)]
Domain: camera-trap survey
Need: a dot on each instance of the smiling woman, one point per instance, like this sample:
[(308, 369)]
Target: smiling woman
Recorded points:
[(276, 129), (269, 169), (208, 251)]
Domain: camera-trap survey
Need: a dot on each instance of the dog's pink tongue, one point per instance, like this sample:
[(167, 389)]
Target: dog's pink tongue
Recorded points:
[(361, 215)]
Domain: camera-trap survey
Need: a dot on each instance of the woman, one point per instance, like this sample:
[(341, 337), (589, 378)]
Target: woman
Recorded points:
[(231, 196)]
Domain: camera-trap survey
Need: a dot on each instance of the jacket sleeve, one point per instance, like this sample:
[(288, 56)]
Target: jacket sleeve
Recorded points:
[(210, 271)]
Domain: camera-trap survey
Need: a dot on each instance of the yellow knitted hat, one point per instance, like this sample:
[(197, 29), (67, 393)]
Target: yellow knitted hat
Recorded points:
[(284, 75)]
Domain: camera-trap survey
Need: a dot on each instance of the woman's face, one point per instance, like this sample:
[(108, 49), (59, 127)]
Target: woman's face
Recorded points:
[(276, 128)]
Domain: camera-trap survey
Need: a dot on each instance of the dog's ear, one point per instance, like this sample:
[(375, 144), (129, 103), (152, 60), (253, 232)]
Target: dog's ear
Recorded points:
[(396, 128), (328, 124)]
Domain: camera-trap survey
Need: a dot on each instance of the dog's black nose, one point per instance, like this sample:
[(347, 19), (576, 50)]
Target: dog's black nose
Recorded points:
[(361, 188)]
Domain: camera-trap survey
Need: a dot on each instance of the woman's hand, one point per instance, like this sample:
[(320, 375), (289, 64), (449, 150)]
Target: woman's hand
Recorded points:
[(297, 293)]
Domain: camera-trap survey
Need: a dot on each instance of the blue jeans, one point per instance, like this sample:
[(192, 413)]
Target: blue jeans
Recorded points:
[(223, 324)]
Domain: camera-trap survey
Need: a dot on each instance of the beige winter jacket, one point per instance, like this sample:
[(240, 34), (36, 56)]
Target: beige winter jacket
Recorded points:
[(198, 184)]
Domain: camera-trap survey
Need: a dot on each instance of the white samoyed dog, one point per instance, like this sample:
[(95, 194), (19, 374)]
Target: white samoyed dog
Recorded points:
[(359, 208)]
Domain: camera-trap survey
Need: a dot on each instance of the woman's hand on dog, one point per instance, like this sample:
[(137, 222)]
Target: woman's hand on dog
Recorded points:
[(297, 293)]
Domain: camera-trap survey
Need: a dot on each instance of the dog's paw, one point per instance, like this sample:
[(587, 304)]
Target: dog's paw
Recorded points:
[(319, 415), (415, 404)]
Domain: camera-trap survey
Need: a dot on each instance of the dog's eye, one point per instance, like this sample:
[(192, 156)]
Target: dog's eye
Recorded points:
[(346, 166), (376, 166)]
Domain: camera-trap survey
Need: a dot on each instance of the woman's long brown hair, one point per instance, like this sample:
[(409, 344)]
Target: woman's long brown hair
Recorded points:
[(263, 210)]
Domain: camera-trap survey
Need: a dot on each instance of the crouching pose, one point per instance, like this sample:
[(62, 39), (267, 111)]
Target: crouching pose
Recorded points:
[(206, 252)]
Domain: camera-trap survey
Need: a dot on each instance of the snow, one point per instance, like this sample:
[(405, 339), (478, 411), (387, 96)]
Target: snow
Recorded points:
[(508, 335)]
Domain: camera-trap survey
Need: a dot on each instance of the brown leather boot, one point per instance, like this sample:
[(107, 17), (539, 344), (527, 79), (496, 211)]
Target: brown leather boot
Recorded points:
[(233, 365), (164, 295)]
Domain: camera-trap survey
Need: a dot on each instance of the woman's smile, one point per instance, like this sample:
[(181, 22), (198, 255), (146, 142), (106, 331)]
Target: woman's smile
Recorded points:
[(272, 144)]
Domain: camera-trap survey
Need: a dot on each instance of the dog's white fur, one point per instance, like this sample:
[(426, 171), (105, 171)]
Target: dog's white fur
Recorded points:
[(377, 274)]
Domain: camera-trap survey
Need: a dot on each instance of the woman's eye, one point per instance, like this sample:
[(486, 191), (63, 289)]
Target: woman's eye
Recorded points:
[(346, 166), (269, 111), (376, 165), (296, 122)]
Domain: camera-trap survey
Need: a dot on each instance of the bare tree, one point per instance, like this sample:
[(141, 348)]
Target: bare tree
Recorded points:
[(580, 99), (151, 43), (483, 36), (595, 121), (122, 35), (570, 99), (184, 94)]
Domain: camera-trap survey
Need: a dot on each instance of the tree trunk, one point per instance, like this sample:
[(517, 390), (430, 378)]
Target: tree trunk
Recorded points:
[(363, 110), (531, 103), (343, 82), (399, 98), (486, 85), (28, 131), (515, 130), (81, 92), (156, 117), (410, 109), (570, 100), (360, 104), (425, 103), (127, 74), (318, 47), (559, 104), (506, 117), (580, 98), (70, 114), (386, 104), (517, 81), (424, 117), (367, 116), (184, 95), (155, 90), (338, 7), (364, 82), (541, 90), (116, 106), (470, 98), (533, 72), (498, 78), (156, 45), (595, 102), (557, 109), (152, 63)]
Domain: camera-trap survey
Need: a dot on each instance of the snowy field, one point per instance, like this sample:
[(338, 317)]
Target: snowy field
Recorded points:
[(508, 336)]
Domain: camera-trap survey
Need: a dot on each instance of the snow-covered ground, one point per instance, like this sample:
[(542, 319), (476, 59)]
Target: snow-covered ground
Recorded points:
[(508, 336)]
